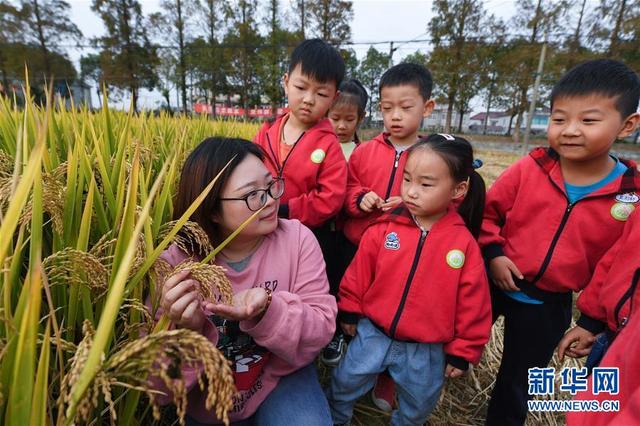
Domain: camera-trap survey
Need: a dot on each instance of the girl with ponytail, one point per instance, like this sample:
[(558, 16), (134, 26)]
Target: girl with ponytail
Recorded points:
[(416, 296)]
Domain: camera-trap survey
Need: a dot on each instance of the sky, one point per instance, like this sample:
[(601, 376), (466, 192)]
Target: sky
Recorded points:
[(374, 21)]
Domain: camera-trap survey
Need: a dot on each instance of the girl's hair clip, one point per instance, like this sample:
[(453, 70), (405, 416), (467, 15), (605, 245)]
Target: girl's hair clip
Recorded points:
[(447, 136), (477, 163)]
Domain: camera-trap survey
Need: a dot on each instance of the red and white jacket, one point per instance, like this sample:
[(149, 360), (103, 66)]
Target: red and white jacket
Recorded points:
[(421, 286), (613, 292), (373, 166), (556, 245), (315, 172), (622, 354)]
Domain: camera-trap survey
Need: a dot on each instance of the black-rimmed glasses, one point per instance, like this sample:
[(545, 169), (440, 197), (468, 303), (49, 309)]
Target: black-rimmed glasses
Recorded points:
[(257, 198)]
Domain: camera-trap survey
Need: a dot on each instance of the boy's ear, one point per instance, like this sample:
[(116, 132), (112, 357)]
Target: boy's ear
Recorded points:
[(429, 105), (336, 96), (630, 125), (285, 82), (460, 191)]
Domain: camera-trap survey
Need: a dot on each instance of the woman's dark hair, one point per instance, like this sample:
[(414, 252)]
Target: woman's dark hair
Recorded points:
[(457, 152), (352, 92), (200, 168)]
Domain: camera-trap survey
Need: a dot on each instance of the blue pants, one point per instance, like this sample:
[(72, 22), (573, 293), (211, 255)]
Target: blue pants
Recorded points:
[(296, 400), (417, 369)]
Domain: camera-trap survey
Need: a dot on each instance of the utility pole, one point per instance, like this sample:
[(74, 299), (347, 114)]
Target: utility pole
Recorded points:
[(536, 88), (391, 50)]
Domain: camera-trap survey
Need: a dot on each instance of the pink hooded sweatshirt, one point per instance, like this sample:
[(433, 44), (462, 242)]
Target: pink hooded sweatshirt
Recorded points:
[(299, 322)]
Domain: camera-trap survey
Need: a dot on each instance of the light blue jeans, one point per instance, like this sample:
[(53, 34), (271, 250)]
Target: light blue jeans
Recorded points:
[(417, 369), (297, 400)]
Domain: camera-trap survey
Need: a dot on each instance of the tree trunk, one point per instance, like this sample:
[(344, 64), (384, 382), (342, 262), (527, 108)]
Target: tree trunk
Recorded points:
[(460, 119), (447, 123), (509, 127), (302, 18), (182, 56), (486, 117), (615, 34), (212, 39), (41, 39)]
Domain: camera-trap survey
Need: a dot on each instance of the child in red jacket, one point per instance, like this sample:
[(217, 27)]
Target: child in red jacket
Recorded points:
[(551, 216), (416, 295), (609, 300), (301, 145), (347, 113), (375, 167), (622, 355)]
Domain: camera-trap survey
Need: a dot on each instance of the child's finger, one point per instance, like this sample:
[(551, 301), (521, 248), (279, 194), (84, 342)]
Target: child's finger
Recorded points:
[(514, 269)]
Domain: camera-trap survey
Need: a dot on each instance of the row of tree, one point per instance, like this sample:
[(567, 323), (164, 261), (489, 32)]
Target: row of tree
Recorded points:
[(207, 48)]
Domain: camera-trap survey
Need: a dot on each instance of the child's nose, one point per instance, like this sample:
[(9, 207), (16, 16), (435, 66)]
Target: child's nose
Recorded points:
[(571, 129)]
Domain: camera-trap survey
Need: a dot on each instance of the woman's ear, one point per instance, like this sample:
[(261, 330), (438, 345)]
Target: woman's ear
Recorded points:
[(460, 191)]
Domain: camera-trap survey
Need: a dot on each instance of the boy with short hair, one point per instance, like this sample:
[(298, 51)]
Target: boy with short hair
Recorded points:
[(551, 216), (301, 145), (375, 173)]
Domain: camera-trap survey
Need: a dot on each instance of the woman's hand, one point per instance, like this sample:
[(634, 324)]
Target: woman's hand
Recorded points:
[(576, 343), (247, 305), (452, 372), (180, 301)]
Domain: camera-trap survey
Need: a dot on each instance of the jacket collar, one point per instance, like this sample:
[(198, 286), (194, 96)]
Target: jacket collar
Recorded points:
[(549, 161)]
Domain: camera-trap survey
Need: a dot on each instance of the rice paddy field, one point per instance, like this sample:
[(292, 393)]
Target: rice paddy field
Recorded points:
[(85, 205)]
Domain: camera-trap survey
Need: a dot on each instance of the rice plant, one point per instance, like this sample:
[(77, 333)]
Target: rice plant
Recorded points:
[(85, 211)]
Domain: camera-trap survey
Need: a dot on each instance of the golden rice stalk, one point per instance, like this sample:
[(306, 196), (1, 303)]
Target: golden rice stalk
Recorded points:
[(6, 164), (212, 278), (90, 400), (71, 266), (53, 195), (191, 238), (163, 354)]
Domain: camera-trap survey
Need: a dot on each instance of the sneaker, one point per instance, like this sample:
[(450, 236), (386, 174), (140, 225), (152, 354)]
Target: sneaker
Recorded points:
[(332, 354), (384, 392)]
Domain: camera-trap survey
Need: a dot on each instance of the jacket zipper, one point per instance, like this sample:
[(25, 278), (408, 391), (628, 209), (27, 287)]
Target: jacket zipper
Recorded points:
[(274, 160), (393, 175), (554, 241), (556, 237), (407, 286), (626, 296)]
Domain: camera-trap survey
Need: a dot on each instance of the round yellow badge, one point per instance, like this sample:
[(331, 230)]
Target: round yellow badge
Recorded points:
[(318, 155), (621, 211), (455, 259)]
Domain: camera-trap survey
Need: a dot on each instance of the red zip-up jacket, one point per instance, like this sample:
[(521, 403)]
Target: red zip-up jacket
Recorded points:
[(422, 286), (556, 245), (315, 172), (623, 354), (613, 292), (373, 166)]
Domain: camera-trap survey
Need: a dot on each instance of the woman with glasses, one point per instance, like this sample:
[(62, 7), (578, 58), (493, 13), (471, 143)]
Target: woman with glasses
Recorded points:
[(282, 314)]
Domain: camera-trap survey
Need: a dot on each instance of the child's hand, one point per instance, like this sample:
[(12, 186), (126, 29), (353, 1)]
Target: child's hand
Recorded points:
[(452, 372), (502, 270), (370, 201), (349, 329), (391, 203), (583, 340)]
